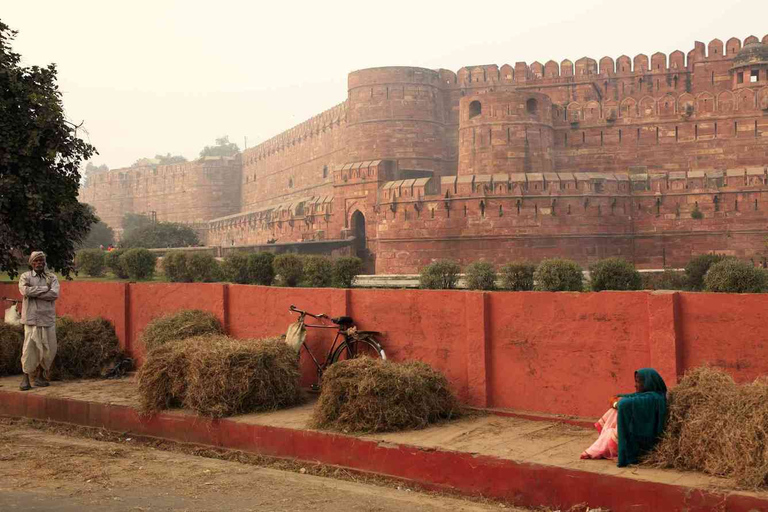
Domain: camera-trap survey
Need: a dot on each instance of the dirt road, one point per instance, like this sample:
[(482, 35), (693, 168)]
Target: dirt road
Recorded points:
[(44, 469)]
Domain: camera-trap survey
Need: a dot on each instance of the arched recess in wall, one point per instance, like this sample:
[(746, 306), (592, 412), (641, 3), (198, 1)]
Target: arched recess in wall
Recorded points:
[(532, 106), (475, 109), (726, 102), (357, 223)]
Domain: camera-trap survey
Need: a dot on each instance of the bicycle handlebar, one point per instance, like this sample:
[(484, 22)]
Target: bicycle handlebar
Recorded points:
[(294, 309)]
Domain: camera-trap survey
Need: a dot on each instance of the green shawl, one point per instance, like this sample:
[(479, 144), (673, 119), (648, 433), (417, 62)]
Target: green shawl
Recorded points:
[(641, 417)]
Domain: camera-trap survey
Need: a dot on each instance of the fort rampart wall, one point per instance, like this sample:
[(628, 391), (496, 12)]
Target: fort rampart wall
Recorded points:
[(191, 192), (560, 353), (671, 118)]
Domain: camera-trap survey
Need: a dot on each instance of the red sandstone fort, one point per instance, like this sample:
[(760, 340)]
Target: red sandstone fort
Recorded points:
[(650, 159)]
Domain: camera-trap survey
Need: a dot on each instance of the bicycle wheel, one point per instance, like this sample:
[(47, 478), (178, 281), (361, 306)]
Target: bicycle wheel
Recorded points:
[(361, 346)]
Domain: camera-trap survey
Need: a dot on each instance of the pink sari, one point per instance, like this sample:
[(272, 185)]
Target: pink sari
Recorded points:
[(607, 444)]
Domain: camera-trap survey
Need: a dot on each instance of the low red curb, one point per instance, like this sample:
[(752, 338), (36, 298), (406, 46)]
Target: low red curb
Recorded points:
[(519, 483)]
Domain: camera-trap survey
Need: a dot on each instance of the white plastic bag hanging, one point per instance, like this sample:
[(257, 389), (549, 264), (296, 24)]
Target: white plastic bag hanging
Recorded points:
[(295, 335), (12, 315)]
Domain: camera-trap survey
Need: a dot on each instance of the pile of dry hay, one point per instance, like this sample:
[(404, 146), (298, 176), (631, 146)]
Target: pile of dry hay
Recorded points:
[(86, 348), (11, 341), (718, 427), (219, 376), (183, 324), (371, 395)]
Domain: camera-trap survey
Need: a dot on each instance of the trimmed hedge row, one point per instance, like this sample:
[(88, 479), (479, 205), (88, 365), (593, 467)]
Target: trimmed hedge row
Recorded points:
[(135, 264), (263, 268), (706, 272)]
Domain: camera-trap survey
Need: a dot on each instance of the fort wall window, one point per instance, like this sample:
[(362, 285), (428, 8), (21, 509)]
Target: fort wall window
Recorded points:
[(532, 106), (325, 171), (475, 109), (739, 78), (754, 76)]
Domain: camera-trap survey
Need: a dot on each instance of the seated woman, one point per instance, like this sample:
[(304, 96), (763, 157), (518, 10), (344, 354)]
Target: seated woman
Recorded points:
[(634, 422)]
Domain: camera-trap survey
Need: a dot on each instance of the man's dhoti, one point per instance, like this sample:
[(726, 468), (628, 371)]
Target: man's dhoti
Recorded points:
[(39, 348)]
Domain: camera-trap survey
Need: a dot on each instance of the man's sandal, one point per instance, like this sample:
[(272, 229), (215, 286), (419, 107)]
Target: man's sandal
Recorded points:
[(41, 384)]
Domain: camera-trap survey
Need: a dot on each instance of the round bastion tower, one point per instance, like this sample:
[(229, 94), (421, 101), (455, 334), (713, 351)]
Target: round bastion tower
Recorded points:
[(397, 113), (505, 132)]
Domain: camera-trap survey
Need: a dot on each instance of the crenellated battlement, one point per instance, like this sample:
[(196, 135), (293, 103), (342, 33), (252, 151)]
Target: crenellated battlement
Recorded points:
[(587, 69), (327, 120)]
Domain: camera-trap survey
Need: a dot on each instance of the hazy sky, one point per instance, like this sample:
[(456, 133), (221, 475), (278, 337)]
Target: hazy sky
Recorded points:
[(161, 76)]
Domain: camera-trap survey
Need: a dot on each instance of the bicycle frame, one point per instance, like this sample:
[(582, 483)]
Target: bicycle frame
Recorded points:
[(340, 333)]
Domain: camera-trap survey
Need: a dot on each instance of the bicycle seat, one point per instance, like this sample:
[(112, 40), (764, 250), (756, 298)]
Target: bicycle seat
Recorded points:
[(342, 320)]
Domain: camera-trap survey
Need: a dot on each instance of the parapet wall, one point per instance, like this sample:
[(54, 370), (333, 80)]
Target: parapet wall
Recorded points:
[(559, 353)]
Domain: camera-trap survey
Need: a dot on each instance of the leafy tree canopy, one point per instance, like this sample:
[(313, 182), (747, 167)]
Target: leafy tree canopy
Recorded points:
[(90, 170), (132, 221), (100, 234), (166, 159), (40, 158), (222, 148), (160, 235)]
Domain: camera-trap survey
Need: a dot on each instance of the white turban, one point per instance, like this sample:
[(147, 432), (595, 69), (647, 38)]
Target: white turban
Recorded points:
[(35, 255)]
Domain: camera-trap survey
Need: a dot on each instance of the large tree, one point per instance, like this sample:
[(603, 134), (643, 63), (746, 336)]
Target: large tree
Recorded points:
[(160, 235), (40, 158), (222, 148), (99, 235), (90, 170)]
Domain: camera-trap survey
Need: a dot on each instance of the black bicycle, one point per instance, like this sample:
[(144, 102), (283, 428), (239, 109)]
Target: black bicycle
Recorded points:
[(349, 342)]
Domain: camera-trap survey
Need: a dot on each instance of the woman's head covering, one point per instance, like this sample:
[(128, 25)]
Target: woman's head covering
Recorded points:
[(652, 381), (642, 417)]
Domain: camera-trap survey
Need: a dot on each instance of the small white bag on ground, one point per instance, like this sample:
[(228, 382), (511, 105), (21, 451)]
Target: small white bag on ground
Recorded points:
[(12, 316), (295, 335)]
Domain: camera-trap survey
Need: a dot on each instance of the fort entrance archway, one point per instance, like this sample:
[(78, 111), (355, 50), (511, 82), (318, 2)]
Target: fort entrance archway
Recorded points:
[(357, 224), (358, 228)]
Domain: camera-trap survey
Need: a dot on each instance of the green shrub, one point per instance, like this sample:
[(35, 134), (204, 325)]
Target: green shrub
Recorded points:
[(440, 275), (697, 268), (697, 214), (160, 235), (90, 261), (614, 274), (175, 267), (558, 275), (318, 271), (138, 263), (481, 275), (260, 269), (112, 261), (667, 280), (203, 267), (235, 268), (345, 269), (734, 276), (290, 268), (518, 276)]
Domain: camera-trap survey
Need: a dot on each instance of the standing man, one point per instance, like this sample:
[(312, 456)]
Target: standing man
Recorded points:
[(40, 290)]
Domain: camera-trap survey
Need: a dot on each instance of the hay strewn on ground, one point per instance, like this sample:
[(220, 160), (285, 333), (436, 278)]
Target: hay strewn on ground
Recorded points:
[(219, 376), (86, 348), (11, 341), (371, 395), (180, 325), (718, 427)]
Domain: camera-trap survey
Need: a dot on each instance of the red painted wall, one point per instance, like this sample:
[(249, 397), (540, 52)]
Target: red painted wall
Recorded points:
[(567, 351), (561, 353)]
